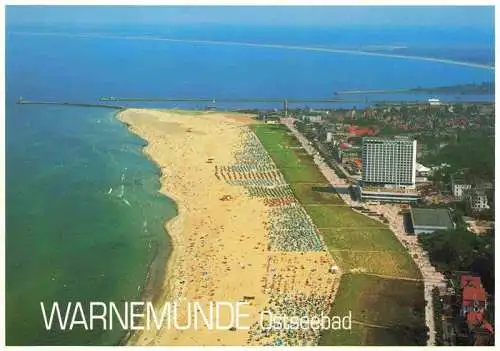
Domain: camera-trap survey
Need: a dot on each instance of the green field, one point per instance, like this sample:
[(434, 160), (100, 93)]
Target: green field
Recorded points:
[(362, 239), (296, 165), (393, 307), (361, 335), (316, 193), (340, 217), (389, 304)]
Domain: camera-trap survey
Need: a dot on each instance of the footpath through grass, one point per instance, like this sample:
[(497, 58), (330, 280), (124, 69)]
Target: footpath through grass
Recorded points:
[(387, 311)]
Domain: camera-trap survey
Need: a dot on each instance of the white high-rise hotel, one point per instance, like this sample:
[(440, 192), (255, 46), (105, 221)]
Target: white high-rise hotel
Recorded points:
[(389, 162)]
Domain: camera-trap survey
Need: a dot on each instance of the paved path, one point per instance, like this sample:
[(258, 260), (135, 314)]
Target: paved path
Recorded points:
[(390, 276), (370, 325), (431, 277)]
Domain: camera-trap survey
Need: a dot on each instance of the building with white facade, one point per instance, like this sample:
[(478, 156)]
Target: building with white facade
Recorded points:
[(434, 101), (389, 161), (422, 170), (389, 169), (476, 200), (459, 186), (329, 137)]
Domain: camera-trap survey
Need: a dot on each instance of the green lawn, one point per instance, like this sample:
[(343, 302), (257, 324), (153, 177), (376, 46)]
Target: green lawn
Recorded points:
[(336, 217), (367, 239), (356, 242), (360, 335), (295, 164), (391, 303), (316, 193), (355, 336), (370, 250), (397, 264)]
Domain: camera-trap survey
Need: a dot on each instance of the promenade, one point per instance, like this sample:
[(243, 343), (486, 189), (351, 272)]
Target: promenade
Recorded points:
[(430, 276)]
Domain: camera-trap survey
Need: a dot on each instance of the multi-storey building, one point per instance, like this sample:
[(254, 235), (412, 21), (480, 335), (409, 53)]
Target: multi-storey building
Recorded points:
[(389, 169), (476, 200), (389, 161), (459, 186)]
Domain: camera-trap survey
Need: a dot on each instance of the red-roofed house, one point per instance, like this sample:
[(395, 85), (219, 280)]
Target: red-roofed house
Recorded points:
[(473, 294), (469, 280), (474, 319), (473, 299), (481, 330), (488, 326), (474, 304)]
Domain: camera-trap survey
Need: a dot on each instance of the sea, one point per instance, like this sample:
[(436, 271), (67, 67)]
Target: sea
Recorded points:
[(84, 218)]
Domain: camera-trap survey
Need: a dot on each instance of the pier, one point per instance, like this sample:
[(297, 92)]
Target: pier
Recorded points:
[(205, 99), (283, 101), (63, 103)]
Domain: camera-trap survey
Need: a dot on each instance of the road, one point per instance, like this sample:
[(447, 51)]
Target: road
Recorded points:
[(431, 277)]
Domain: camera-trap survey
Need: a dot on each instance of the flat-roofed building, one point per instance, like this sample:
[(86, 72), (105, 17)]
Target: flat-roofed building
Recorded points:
[(428, 220), (389, 170), (384, 194), (389, 161), (459, 186), (476, 200)]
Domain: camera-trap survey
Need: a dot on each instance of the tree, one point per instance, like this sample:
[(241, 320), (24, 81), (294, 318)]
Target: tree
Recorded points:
[(461, 250)]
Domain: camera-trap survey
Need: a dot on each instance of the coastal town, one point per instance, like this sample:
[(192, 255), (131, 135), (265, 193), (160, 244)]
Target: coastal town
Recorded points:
[(256, 175), (329, 211), (374, 158)]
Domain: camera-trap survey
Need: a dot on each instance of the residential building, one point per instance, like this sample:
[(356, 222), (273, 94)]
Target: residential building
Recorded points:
[(473, 294), (476, 200), (312, 118), (474, 305), (422, 171), (329, 137), (428, 220), (459, 186)]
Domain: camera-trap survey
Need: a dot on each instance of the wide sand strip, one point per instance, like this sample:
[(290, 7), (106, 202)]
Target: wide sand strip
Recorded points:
[(220, 239)]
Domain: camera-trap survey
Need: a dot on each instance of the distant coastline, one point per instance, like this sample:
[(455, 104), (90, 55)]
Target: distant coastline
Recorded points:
[(487, 88), (263, 45)]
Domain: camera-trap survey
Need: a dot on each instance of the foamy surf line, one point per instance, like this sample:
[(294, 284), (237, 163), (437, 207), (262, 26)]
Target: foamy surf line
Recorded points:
[(261, 45)]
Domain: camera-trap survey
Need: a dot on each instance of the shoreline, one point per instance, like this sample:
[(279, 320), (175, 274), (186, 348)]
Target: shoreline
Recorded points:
[(171, 288), (223, 238), (169, 226)]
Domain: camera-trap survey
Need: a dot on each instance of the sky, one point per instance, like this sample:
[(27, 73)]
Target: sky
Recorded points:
[(424, 16)]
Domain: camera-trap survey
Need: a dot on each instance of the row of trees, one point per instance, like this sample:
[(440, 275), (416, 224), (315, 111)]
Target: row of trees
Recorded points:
[(472, 150), (438, 312), (461, 250)]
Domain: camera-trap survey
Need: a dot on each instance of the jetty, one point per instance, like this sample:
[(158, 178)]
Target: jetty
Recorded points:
[(21, 101), (224, 99)]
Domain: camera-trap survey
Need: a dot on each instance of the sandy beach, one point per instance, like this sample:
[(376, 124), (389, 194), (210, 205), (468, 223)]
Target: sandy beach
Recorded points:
[(221, 242)]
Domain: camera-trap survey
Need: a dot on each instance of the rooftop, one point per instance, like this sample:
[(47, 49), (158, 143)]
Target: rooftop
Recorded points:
[(470, 280), (391, 139), (458, 178), (471, 294), (431, 217)]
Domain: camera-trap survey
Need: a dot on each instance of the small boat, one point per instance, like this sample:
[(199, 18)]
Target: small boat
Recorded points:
[(110, 190)]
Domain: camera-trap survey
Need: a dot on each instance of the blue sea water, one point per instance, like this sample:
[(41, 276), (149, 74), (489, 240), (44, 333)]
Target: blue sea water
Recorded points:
[(70, 235)]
